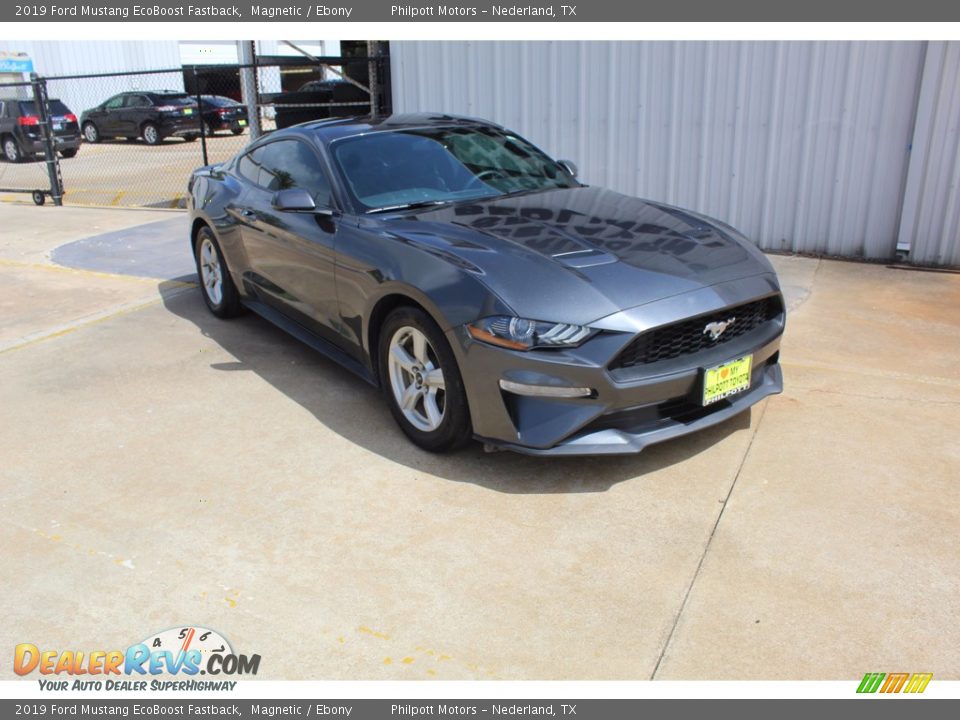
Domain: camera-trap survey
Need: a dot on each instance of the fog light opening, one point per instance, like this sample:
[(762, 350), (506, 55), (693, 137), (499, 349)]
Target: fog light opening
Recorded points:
[(557, 391)]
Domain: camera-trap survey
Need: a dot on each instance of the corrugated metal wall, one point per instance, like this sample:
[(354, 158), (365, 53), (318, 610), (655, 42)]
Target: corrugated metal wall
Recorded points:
[(931, 216), (51, 57), (804, 146)]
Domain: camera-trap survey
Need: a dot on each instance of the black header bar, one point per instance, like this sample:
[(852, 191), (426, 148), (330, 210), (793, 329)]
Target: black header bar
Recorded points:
[(739, 11)]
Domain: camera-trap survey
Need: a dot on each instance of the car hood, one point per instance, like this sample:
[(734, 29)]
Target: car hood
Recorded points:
[(579, 254)]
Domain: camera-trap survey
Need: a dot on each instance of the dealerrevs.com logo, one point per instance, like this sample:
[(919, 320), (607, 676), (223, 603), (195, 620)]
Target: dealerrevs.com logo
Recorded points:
[(894, 682), (154, 664)]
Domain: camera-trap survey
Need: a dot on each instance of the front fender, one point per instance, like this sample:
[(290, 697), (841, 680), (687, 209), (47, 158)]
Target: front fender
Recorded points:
[(373, 266)]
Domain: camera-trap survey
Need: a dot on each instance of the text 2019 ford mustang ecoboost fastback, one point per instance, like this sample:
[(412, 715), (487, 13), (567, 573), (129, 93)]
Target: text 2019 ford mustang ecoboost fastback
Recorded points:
[(484, 289)]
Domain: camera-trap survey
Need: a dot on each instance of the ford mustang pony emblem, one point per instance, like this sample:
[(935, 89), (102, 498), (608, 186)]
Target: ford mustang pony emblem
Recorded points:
[(715, 329)]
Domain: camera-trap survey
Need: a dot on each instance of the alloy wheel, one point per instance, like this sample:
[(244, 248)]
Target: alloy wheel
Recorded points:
[(10, 150), (416, 379), (210, 272)]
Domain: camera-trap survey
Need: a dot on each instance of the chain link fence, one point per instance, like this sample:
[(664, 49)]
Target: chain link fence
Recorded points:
[(31, 125), (131, 139)]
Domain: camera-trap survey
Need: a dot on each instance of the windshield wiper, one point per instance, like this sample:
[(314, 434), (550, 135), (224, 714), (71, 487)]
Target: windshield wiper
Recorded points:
[(409, 206)]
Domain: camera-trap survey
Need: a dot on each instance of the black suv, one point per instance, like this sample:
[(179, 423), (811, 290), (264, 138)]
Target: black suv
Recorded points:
[(152, 115), (20, 134)]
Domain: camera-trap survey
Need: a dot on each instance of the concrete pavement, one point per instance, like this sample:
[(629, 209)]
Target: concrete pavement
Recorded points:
[(162, 467)]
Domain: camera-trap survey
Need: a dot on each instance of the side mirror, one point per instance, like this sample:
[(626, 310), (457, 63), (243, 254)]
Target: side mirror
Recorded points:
[(569, 166), (293, 200)]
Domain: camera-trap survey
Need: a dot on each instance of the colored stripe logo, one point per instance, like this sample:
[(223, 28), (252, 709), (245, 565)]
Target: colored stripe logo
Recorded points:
[(894, 682)]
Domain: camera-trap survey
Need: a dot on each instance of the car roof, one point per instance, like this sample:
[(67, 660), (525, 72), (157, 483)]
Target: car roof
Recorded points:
[(152, 92), (336, 128)]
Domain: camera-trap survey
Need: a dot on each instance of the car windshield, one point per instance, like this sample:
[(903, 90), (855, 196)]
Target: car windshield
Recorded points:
[(426, 166), (219, 101), (57, 108), (174, 100)]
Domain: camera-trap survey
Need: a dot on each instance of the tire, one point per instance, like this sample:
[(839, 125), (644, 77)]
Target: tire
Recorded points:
[(38, 197), (207, 130), (438, 420), (190, 138), (151, 134), (71, 153), (11, 150), (216, 285), (90, 133), (237, 130)]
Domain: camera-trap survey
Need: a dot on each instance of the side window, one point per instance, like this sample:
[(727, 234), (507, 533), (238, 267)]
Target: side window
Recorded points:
[(290, 163), (249, 165), (115, 103), (134, 101)]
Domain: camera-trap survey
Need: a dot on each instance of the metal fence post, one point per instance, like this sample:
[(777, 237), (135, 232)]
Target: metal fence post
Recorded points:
[(49, 144), (203, 125), (248, 86), (373, 58)]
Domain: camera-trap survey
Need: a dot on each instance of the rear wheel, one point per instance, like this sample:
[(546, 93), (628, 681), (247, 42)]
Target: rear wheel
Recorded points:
[(217, 286), (207, 129), (191, 137), (11, 150), (72, 152), (421, 381), (151, 134), (90, 133), (237, 130)]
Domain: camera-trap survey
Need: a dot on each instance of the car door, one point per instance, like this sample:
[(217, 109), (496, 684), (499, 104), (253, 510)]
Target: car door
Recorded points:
[(291, 254), (134, 108), (110, 120)]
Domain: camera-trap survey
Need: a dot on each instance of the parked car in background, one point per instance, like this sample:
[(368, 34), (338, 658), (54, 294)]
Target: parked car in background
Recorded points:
[(486, 291), (20, 133), (222, 113), (152, 115)]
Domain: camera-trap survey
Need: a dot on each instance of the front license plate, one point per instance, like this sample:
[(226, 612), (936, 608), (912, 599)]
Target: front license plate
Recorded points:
[(241, 122), (725, 380)]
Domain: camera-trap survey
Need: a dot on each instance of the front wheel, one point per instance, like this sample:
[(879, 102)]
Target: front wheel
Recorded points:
[(217, 286), (90, 133), (421, 381), (67, 154)]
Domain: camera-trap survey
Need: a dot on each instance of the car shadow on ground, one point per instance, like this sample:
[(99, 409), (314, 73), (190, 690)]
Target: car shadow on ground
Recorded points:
[(356, 411)]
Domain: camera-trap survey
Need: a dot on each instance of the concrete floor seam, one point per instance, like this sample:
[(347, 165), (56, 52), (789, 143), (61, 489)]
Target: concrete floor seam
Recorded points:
[(706, 547)]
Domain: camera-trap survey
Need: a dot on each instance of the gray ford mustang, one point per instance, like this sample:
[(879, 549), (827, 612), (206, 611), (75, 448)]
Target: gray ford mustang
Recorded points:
[(484, 289)]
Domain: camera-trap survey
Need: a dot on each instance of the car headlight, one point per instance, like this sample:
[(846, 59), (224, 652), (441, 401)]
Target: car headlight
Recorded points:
[(522, 334)]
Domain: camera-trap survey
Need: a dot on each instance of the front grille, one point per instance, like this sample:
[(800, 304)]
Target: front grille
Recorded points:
[(688, 336)]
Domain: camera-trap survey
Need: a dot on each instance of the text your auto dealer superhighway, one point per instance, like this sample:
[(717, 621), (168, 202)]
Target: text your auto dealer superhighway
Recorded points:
[(144, 11)]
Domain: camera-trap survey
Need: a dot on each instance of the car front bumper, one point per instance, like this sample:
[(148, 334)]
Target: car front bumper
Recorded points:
[(627, 409)]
